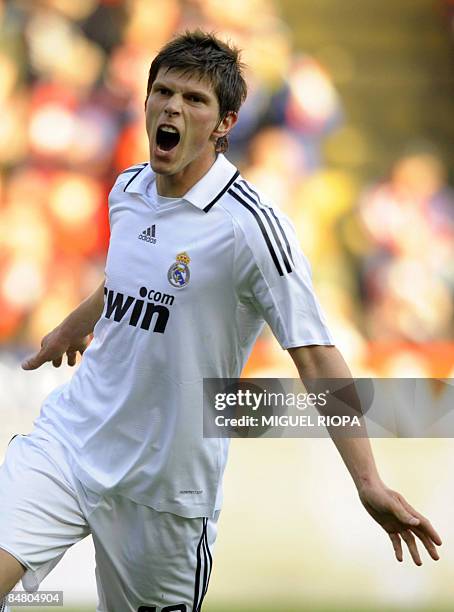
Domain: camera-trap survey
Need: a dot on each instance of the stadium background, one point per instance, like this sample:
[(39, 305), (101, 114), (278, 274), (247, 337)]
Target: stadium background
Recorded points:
[(348, 126)]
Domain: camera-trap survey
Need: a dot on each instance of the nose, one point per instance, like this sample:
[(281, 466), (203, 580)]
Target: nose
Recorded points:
[(173, 106)]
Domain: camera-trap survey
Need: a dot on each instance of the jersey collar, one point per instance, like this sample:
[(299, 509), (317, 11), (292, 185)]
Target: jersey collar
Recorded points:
[(205, 193), (212, 186)]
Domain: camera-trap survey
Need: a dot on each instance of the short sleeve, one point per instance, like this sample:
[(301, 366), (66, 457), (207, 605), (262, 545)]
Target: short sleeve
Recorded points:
[(272, 273), (116, 195)]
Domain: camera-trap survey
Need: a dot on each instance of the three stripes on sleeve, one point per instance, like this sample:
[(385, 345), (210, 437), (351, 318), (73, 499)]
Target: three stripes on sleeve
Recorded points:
[(269, 224)]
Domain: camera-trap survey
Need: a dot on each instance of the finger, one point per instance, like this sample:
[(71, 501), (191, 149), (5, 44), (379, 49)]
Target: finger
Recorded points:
[(424, 523), (71, 358), (35, 361), (426, 528), (397, 545), (428, 544), (57, 362), (410, 541)]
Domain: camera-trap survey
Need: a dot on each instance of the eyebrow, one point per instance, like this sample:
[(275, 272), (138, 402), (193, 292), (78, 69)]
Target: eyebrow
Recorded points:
[(196, 92)]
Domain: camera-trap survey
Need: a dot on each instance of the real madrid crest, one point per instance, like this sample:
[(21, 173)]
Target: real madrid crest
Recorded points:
[(179, 273)]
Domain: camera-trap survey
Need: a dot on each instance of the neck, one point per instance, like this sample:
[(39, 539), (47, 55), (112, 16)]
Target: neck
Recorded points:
[(176, 185)]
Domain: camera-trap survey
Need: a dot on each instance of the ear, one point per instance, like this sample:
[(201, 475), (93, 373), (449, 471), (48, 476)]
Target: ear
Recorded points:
[(225, 125)]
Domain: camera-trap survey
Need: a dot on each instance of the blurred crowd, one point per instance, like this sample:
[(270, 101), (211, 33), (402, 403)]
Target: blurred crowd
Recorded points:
[(72, 86)]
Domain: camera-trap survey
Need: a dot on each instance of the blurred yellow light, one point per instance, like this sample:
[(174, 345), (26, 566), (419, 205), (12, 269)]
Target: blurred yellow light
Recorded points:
[(23, 283), (276, 150), (329, 193), (267, 52), (49, 36), (13, 134), (74, 199), (52, 309), (52, 129), (75, 10), (238, 13), (24, 232), (59, 49), (313, 91), (8, 76), (151, 24), (406, 364), (81, 53)]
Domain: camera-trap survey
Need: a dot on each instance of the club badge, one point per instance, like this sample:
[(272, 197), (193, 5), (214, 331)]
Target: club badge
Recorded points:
[(179, 274)]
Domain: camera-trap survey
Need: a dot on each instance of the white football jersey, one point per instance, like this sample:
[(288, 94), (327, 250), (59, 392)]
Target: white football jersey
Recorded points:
[(189, 283)]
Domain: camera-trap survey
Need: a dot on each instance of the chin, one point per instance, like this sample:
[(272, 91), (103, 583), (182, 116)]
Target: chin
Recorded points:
[(160, 168)]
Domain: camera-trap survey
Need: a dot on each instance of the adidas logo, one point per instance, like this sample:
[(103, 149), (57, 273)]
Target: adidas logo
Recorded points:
[(149, 234)]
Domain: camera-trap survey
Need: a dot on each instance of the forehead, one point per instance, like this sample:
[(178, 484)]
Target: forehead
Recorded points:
[(185, 80)]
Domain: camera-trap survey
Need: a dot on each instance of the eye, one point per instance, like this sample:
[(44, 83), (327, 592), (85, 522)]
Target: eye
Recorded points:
[(163, 90), (194, 98)]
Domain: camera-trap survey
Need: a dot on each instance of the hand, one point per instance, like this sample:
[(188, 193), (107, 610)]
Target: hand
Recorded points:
[(400, 520), (53, 348)]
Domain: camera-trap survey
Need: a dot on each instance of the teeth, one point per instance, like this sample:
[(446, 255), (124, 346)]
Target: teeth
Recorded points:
[(168, 128)]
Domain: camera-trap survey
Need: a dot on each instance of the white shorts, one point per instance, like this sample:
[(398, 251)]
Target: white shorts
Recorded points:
[(146, 561)]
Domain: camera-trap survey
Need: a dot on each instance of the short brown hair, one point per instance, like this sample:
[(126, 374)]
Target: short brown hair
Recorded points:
[(202, 53)]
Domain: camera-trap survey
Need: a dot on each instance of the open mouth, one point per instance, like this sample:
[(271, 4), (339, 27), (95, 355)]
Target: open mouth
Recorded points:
[(167, 137)]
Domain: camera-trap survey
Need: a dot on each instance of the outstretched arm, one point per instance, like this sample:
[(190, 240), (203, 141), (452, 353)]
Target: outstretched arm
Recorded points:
[(387, 507), (72, 335)]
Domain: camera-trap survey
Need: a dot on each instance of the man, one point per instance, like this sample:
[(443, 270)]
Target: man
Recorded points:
[(197, 262)]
